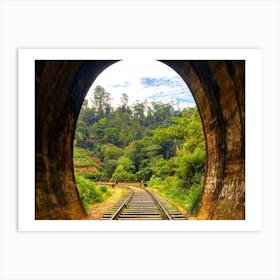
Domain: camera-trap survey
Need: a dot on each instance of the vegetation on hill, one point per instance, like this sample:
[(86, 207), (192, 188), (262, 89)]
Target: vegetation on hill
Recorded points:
[(86, 165), (154, 142)]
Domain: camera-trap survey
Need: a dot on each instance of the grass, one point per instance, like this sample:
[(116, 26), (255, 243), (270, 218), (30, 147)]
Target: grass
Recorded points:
[(172, 188), (90, 193), (82, 158), (86, 165)]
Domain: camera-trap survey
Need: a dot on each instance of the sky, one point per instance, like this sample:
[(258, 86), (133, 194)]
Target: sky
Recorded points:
[(140, 80)]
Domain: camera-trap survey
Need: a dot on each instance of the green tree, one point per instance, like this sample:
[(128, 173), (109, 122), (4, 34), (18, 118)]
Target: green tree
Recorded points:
[(134, 152), (139, 111), (161, 168), (111, 135), (101, 101), (126, 163), (82, 133), (124, 103), (109, 168), (121, 174), (190, 166), (110, 152)]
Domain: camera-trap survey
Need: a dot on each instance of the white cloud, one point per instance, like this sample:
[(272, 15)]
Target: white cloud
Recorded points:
[(152, 80)]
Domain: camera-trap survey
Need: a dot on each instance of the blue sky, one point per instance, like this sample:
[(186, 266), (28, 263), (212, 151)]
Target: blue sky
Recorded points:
[(151, 80)]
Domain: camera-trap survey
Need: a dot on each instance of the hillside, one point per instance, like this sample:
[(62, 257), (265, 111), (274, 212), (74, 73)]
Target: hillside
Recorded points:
[(85, 164)]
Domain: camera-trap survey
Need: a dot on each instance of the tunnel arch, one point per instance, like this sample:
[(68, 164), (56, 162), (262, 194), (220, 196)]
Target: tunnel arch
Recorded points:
[(218, 88)]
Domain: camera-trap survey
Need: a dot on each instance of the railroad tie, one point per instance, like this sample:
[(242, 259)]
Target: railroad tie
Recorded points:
[(141, 204)]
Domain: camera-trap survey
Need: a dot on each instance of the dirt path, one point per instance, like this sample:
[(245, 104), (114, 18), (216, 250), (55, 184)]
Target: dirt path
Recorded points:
[(98, 210), (87, 169)]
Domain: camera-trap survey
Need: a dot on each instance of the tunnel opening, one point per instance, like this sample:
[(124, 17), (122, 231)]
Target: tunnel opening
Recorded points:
[(218, 88), (139, 124)]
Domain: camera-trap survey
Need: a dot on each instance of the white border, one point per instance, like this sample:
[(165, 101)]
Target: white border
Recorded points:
[(253, 111)]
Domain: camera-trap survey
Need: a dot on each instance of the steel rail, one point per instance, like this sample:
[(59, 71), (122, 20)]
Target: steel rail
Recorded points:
[(161, 206), (124, 204), (142, 204)]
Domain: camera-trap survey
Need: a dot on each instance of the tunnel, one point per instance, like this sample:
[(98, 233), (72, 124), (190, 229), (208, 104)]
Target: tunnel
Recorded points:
[(218, 87)]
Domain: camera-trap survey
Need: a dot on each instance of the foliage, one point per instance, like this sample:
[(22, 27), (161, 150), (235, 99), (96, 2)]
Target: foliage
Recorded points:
[(121, 174), (94, 175), (83, 158), (190, 167), (144, 141), (111, 151), (82, 133), (101, 101), (126, 163), (90, 193), (172, 188)]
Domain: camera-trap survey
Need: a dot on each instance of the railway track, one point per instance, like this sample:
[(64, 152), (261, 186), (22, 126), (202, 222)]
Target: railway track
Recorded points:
[(142, 204)]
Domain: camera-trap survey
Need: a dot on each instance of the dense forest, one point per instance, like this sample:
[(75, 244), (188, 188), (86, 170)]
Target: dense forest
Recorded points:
[(154, 142)]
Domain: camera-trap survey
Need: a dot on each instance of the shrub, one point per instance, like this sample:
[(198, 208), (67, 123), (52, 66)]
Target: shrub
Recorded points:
[(193, 198), (95, 175), (121, 174), (90, 193), (103, 189), (191, 166), (173, 188)]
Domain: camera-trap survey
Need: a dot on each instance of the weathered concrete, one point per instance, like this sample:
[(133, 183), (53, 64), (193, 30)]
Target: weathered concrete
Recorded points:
[(219, 90)]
